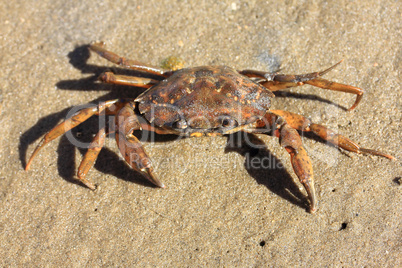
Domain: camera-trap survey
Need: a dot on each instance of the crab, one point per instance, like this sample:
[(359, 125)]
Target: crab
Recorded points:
[(204, 101)]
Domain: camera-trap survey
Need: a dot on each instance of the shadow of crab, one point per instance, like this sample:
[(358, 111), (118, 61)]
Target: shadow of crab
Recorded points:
[(265, 168), (278, 180)]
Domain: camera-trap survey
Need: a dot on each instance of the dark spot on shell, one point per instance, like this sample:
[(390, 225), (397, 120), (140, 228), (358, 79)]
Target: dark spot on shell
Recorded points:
[(203, 72)]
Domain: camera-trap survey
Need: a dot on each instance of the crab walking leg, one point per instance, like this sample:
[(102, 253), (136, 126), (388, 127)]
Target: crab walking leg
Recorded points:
[(274, 82), (111, 78), (69, 124), (290, 139), (325, 84), (301, 123), (132, 64), (130, 147), (89, 158)]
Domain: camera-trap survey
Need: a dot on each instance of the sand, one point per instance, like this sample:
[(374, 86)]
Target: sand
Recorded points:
[(223, 205)]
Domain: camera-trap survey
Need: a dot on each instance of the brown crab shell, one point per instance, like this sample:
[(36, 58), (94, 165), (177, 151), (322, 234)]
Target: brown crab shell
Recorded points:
[(202, 96)]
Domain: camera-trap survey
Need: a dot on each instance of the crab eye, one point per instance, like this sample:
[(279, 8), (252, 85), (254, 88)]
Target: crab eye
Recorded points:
[(228, 122), (181, 124)]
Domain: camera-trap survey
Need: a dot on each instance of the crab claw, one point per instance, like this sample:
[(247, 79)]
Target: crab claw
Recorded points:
[(291, 141), (130, 147)]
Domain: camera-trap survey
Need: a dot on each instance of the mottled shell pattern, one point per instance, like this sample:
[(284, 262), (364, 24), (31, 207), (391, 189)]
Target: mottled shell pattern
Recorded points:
[(206, 99)]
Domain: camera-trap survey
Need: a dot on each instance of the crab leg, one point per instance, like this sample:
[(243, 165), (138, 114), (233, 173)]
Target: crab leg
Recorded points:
[(111, 78), (301, 123), (89, 158), (290, 139), (132, 64), (326, 84), (69, 124), (274, 82), (130, 147)]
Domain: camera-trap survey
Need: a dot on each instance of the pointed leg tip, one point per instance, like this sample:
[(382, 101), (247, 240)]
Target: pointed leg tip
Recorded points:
[(357, 101), (97, 44), (378, 153), (158, 183), (353, 106), (86, 182), (313, 206), (91, 186), (150, 175), (28, 165), (392, 158), (312, 210)]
